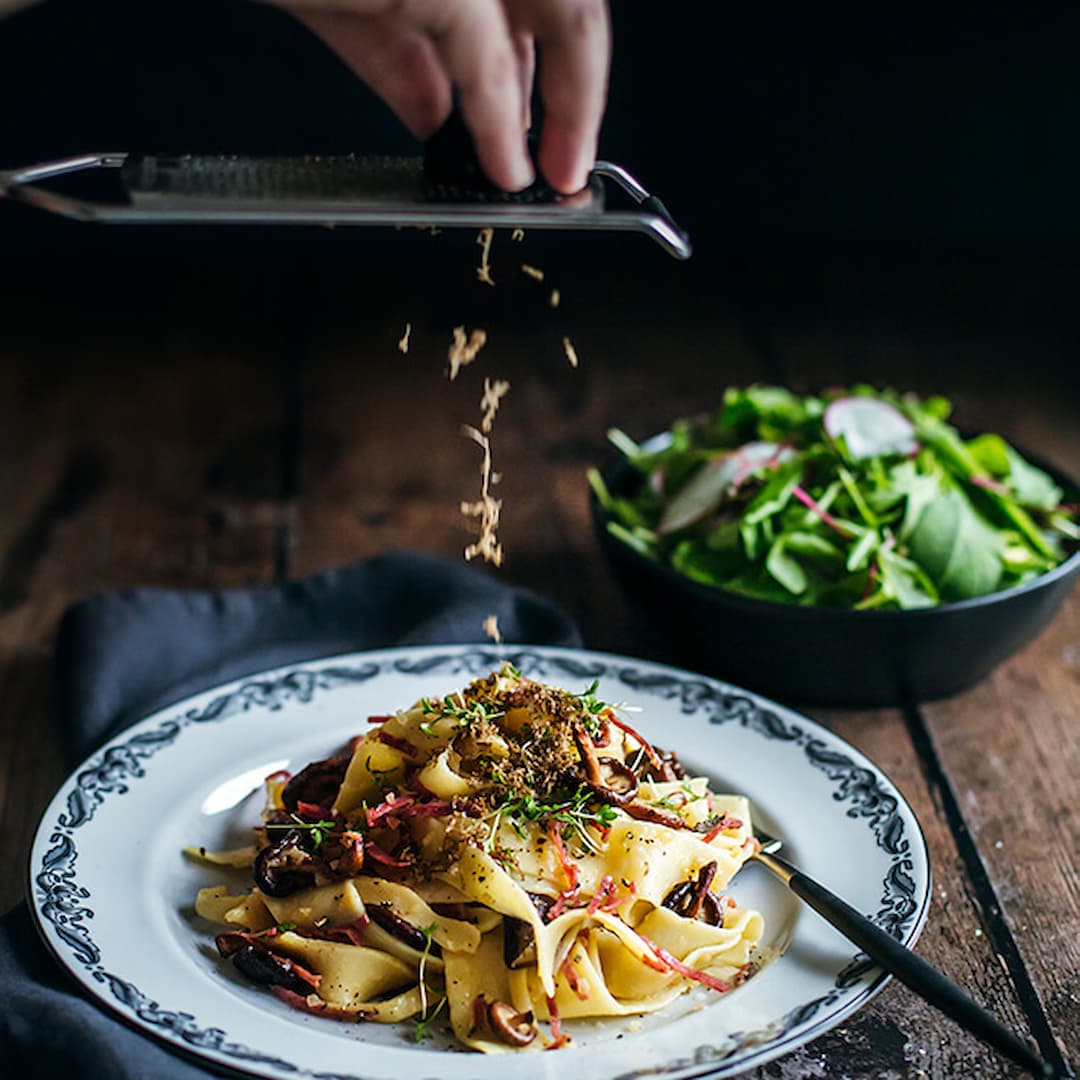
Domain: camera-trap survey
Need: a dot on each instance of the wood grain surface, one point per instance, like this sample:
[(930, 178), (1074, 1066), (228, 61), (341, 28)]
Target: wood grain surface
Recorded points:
[(233, 425)]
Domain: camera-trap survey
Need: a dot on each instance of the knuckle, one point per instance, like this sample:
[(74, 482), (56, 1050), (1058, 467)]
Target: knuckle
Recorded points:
[(588, 15)]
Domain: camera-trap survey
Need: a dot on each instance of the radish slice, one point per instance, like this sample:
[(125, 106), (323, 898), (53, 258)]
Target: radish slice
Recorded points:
[(702, 494), (870, 427)]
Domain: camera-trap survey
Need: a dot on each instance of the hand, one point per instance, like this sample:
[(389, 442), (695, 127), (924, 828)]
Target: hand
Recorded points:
[(413, 53)]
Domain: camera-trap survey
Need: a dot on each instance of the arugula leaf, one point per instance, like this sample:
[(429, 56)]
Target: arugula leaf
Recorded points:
[(812, 544), (904, 582), (775, 495), (785, 568), (860, 552), (918, 489), (1031, 486), (959, 551), (694, 560), (991, 452)]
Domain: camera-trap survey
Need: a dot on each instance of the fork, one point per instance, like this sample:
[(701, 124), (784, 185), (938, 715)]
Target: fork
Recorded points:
[(914, 972)]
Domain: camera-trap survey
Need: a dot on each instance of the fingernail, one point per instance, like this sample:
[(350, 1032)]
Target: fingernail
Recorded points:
[(583, 163), (521, 170)]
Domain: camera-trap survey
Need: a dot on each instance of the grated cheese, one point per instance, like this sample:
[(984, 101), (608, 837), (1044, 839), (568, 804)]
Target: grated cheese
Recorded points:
[(403, 344), (554, 298), (491, 628), (487, 508), (533, 272), (571, 352), (494, 392), (463, 349), (483, 271)]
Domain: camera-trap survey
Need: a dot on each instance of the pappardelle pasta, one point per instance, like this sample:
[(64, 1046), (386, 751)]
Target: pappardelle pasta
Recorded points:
[(508, 855)]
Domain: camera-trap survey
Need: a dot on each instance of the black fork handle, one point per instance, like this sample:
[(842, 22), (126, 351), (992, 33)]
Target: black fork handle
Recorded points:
[(912, 970)]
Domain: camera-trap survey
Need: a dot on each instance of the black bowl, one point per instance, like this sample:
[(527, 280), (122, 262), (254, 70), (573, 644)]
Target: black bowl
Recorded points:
[(828, 656)]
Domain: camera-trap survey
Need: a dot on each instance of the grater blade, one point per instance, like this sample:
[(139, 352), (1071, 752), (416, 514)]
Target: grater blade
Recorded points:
[(329, 190)]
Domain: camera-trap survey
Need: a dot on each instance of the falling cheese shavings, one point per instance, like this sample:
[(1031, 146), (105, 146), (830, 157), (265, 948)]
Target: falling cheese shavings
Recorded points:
[(463, 349), (494, 392), (554, 298), (491, 628), (532, 271), (486, 509), (518, 234), (403, 344), (483, 271), (571, 352)]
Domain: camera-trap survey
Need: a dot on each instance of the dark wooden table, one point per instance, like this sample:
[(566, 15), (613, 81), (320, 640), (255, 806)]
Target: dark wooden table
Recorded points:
[(230, 423)]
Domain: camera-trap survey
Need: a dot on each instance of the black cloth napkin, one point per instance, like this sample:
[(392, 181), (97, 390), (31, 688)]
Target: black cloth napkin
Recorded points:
[(122, 655)]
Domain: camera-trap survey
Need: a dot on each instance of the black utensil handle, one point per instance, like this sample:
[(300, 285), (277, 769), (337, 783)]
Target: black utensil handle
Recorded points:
[(916, 973)]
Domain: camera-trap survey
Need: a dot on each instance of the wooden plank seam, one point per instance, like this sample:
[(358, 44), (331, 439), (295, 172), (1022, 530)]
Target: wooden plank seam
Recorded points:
[(1001, 936)]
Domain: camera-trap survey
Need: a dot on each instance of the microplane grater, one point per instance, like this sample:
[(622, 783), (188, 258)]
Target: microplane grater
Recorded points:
[(328, 190)]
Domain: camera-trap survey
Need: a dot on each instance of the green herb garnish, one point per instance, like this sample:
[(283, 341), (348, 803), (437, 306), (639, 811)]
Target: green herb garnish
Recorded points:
[(428, 932), (575, 814), (464, 712), (425, 1021), (319, 830)]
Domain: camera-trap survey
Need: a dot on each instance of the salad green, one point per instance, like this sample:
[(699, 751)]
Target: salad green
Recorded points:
[(854, 498)]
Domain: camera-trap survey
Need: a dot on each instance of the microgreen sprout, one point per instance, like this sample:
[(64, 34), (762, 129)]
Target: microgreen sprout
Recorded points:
[(574, 814), (589, 701), (425, 1022), (319, 830), (464, 712), (428, 932)]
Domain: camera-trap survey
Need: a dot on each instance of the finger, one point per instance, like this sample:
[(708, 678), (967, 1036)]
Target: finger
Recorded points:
[(396, 60), (525, 50), (574, 37), (472, 38)]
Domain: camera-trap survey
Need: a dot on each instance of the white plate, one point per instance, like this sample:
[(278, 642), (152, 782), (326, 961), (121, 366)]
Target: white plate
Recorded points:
[(112, 894)]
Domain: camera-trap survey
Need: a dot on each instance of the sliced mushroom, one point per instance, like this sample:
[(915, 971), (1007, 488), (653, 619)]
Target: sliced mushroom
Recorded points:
[(678, 899), (344, 854), (265, 969), (689, 898), (644, 812), (318, 783), (711, 910), (609, 780), (672, 765), (660, 765), (701, 888), (384, 916), (284, 867), (519, 941), (618, 785), (589, 757), (231, 941), (512, 1027)]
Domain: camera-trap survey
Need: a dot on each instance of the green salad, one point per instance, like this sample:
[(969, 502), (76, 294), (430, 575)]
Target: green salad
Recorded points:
[(855, 498)]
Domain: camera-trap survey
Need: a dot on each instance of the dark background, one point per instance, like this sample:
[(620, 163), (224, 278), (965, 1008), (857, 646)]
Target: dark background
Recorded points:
[(762, 127)]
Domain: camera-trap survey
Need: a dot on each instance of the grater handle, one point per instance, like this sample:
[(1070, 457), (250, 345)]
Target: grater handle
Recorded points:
[(673, 236), (20, 183)]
